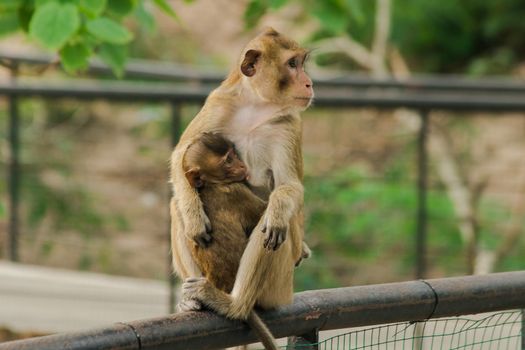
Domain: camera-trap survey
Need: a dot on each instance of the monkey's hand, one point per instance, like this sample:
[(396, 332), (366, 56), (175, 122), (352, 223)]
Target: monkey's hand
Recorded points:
[(199, 230), (275, 229)]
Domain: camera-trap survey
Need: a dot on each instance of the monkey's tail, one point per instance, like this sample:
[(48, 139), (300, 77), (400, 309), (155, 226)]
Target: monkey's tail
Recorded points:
[(262, 331)]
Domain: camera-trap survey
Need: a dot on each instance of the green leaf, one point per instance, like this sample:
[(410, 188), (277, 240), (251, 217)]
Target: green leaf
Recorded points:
[(40, 3), (75, 57), (93, 7), (356, 10), (255, 10), (332, 16), (114, 56), (25, 14), (165, 7), (53, 24), (10, 5), (109, 31), (120, 8), (9, 23), (276, 4), (145, 18)]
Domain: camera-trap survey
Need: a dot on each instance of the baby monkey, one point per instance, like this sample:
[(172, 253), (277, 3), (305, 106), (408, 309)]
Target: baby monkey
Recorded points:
[(214, 169)]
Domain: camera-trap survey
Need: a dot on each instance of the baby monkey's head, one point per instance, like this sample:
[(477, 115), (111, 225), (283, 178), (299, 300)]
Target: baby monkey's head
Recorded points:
[(211, 158)]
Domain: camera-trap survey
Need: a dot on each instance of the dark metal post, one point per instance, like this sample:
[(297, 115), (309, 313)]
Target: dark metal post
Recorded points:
[(175, 132), (13, 173), (522, 329), (422, 181), (307, 341)]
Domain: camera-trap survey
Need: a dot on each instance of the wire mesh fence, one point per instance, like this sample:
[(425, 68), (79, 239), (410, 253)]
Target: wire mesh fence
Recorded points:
[(495, 331)]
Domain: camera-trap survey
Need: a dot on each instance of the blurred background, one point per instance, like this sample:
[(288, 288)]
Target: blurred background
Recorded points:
[(92, 174)]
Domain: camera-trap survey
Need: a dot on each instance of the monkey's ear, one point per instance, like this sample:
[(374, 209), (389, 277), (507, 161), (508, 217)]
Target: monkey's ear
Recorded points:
[(270, 31), (248, 64), (194, 177)]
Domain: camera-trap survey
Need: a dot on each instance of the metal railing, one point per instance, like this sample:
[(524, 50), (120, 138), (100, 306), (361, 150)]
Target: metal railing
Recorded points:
[(311, 312), (167, 71), (423, 94)]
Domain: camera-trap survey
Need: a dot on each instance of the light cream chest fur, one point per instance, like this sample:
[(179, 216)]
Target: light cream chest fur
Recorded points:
[(259, 142)]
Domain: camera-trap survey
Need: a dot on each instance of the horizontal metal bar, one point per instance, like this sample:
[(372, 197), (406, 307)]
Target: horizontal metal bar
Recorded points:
[(168, 71), (126, 91), (420, 100), (132, 91), (427, 82), (135, 68), (320, 309)]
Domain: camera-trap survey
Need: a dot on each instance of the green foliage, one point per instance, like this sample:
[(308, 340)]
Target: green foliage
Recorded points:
[(358, 220), (10, 5), (53, 24), (78, 29), (64, 204), (479, 37), (71, 208), (108, 31), (165, 7), (75, 57), (461, 35), (93, 7), (343, 212), (332, 15), (255, 10), (114, 56), (145, 18), (120, 8), (9, 23)]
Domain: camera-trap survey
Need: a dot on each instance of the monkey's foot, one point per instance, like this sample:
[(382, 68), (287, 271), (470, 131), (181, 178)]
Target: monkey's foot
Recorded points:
[(189, 305), (200, 289), (194, 288)]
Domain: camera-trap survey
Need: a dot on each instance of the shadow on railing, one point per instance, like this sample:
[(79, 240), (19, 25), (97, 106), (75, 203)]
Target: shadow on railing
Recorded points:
[(310, 313)]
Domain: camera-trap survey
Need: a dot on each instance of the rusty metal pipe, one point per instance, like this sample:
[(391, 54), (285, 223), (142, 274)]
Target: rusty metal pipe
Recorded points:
[(319, 309)]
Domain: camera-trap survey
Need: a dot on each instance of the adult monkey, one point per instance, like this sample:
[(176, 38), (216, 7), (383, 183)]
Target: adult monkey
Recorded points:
[(257, 107)]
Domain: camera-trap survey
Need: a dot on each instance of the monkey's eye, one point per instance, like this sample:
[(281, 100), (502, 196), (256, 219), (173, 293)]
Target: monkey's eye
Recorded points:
[(306, 57), (292, 63)]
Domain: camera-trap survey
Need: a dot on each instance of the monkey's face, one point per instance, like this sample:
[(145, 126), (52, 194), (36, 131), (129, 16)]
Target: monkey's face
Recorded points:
[(212, 159), (224, 169), (230, 168), (274, 69)]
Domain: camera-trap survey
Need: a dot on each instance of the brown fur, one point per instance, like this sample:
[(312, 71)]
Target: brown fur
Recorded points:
[(264, 124), (232, 209)]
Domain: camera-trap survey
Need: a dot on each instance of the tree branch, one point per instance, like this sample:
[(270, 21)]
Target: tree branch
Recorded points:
[(348, 46), (381, 34)]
